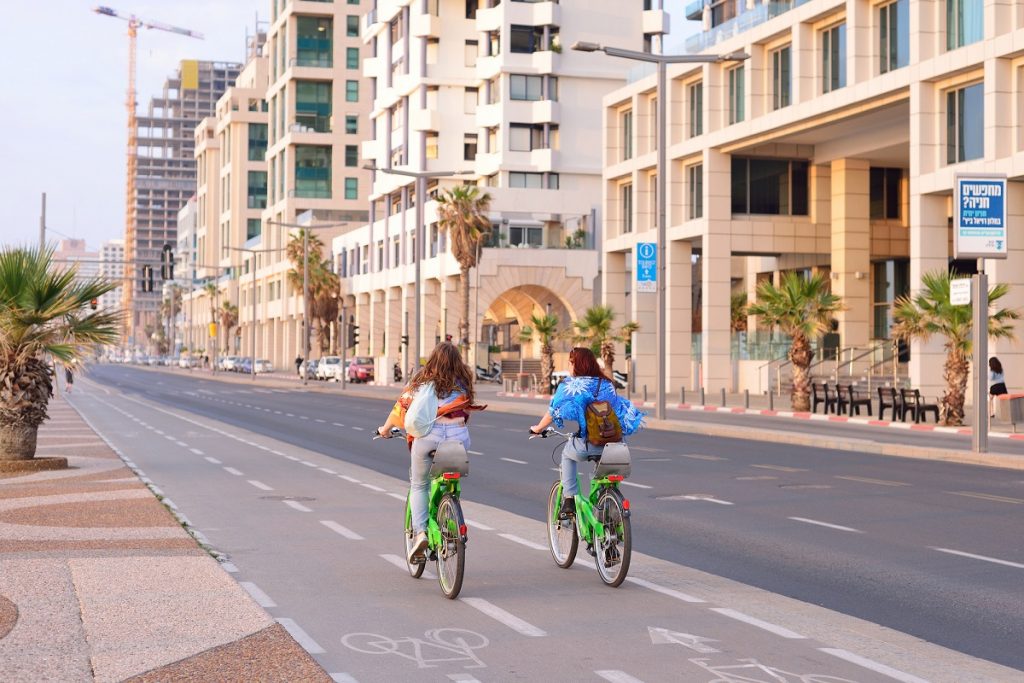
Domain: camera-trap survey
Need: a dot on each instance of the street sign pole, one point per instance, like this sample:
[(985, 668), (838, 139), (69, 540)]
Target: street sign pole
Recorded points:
[(979, 435)]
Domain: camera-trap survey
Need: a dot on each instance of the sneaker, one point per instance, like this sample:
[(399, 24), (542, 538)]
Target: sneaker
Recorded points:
[(568, 508), (419, 545)]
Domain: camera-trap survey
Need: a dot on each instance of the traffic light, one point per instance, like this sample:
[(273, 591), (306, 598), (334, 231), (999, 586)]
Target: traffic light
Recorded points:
[(147, 278), (167, 263), (405, 340), (353, 335), (94, 304)]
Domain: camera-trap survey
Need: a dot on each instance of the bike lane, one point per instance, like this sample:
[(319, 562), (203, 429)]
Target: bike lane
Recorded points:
[(518, 616)]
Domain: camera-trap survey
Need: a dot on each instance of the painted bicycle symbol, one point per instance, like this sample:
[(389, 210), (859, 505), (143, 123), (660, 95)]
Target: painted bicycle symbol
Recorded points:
[(752, 671), (441, 645)]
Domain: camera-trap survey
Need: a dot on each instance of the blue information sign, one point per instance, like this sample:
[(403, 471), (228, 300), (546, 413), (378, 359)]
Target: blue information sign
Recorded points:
[(979, 229), (646, 267)]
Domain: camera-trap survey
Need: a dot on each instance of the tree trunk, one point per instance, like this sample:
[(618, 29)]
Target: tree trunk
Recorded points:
[(547, 368), (608, 357), (464, 320), (951, 411), (17, 441), (801, 355)]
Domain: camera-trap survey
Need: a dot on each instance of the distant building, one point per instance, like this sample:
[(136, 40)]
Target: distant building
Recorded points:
[(112, 267), (73, 252)]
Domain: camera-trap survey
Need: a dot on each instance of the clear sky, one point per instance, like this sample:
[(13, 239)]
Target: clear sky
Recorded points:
[(63, 123)]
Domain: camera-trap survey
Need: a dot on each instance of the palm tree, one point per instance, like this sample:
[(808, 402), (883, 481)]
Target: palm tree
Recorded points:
[(595, 330), (801, 308), (44, 311), (462, 212), (324, 304), (738, 312), (228, 320), (546, 327), (929, 312), (321, 282)]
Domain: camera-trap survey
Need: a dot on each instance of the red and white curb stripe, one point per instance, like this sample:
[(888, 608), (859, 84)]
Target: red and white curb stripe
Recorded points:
[(917, 427)]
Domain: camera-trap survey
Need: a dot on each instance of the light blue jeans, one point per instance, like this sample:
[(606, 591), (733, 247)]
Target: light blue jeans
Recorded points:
[(576, 451), (419, 469)]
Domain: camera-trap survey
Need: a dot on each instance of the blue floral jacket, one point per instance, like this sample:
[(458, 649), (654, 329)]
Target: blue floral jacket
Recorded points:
[(575, 393)]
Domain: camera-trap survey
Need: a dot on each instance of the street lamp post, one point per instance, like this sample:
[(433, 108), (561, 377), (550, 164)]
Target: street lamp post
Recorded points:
[(252, 332), (305, 227), (661, 61), (421, 193)]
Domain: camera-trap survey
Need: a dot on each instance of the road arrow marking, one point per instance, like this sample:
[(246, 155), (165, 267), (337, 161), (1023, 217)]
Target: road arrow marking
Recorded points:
[(662, 636)]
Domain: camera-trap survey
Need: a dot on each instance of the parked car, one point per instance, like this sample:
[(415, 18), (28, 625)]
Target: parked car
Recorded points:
[(227, 363), (360, 369), (185, 362), (329, 368), (263, 366), (243, 365), (153, 361), (311, 367)]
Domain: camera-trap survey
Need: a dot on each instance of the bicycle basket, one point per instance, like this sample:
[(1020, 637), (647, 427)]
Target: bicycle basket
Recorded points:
[(450, 456), (614, 460)]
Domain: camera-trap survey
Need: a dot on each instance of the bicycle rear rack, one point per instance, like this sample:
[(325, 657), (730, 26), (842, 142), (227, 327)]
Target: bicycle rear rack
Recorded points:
[(450, 456), (614, 460)]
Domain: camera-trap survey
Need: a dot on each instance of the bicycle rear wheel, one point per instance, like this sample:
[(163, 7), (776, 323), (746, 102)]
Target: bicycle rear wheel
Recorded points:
[(415, 570), (562, 537), (451, 554), (614, 550)]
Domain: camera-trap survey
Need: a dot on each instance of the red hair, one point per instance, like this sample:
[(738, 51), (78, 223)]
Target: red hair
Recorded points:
[(584, 363)]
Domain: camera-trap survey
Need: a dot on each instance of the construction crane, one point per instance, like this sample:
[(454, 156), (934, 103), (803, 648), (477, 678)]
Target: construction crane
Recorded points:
[(134, 24)]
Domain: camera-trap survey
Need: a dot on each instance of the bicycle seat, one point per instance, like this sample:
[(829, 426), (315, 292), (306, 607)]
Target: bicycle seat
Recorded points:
[(449, 456), (614, 460)]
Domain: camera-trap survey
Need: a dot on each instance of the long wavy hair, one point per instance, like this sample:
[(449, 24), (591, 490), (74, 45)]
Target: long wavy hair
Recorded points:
[(446, 370), (584, 363)]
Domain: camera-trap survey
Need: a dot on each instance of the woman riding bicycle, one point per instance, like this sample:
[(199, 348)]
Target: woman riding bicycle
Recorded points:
[(453, 384), (586, 383)]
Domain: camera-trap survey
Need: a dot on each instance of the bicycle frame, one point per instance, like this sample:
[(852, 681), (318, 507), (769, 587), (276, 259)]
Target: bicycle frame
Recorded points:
[(448, 482), (590, 529)]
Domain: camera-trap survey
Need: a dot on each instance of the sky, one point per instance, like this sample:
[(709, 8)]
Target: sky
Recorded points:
[(62, 101)]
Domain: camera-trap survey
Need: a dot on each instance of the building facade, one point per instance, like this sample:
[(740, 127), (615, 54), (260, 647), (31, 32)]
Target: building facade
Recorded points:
[(832, 149), (484, 93), (112, 268)]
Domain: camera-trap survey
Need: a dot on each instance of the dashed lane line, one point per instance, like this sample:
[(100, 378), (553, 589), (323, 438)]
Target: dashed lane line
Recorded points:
[(872, 665), (504, 617), (196, 451), (780, 468), (479, 453), (373, 488), (615, 676), (397, 496), (342, 678), (232, 470), (296, 505), (827, 525), (309, 464), (477, 525), (328, 470), (337, 424), (341, 530), (635, 485), (780, 631), (988, 496), (350, 479), (359, 429), (670, 592), (707, 499), (462, 678), (320, 421), (301, 637), (523, 541), (513, 460), (261, 598), (260, 485), (869, 480), (984, 558), (401, 564)]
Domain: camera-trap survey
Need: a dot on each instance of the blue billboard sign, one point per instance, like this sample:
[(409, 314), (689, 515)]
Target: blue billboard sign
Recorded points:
[(979, 215), (647, 267)]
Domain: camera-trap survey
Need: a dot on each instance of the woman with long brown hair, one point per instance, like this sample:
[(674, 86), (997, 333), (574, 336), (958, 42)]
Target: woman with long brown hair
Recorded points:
[(585, 384), (453, 384)]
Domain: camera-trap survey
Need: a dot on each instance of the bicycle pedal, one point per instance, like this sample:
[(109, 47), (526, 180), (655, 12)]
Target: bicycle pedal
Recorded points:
[(433, 556), (590, 549)]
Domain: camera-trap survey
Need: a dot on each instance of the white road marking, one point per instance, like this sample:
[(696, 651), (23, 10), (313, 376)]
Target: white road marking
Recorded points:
[(478, 525), (337, 424), (229, 567), (292, 458), (157, 431), (397, 496), (754, 621), (196, 451), (872, 665), (498, 614), (479, 453), (260, 485), (215, 461), (261, 598), (277, 412), (779, 468), (663, 636), (694, 456), (303, 417), (615, 676), (170, 438), (309, 464), (348, 478), (672, 593), (232, 470), (868, 480), (181, 443), (985, 558), (523, 541), (339, 529), (514, 429), (373, 488), (296, 505), (301, 637), (342, 678), (321, 421), (359, 429), (837, 527), (518, 462), (327, 470), (634, 484), (987, 496), (707, 499), (462, 678), (290, 414), (401, 564), (277, 452)]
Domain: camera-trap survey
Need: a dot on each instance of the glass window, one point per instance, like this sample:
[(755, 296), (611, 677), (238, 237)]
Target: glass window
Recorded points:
[(627, 134), (769, 186), (833, 58), (626, 202), (526, 39), (736, 97), (526, 87), (695, 191), (472, 49), (470, 97), (351, 188), (352, 26), (469, 145), (781, 77), (519, 137), (351, 155), (894, 35), (533, 181), (519, 235), (351, 91), (431, 146), (553, 181), (257, 190), (352, 58), (965, 22), (312, 171), (696, 109), (885, 192), (965, 121), (313, 105), (314, 41), (351, 124), (253, 228), (471, 7), (891, 281), (257, 141)]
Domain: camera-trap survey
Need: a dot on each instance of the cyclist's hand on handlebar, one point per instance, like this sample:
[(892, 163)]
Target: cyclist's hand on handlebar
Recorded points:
[(535, 432), (381, 433)]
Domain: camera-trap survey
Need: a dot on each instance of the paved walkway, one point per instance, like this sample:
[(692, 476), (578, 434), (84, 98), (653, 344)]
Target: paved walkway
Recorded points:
[(98, 581)]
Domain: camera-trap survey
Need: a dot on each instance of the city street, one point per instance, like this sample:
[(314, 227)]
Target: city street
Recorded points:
[(809, 561)]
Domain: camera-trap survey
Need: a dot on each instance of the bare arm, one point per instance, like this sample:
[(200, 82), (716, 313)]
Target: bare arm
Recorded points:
[(544, 423)]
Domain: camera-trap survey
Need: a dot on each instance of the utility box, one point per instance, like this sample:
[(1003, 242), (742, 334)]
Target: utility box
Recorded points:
[(1013, 410)]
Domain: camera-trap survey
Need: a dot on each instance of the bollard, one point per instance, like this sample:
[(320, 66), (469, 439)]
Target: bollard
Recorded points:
[(682, 395), (702, 395), (645, 393), (746, 399), (771, 400), (723, 397)]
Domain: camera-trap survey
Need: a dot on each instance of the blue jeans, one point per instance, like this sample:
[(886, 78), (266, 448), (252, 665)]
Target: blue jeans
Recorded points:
[(419, 469), (576, 451)]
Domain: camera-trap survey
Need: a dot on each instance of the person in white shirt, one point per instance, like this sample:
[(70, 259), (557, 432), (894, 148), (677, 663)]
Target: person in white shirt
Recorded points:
[(996, 383)]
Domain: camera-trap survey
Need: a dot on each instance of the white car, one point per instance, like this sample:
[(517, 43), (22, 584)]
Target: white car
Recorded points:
[(329, 368), (228, 362), (263, 365)]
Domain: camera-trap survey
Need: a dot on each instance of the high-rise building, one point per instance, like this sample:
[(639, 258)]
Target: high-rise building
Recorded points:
[(112, 268), (73, 253), (165, 178)]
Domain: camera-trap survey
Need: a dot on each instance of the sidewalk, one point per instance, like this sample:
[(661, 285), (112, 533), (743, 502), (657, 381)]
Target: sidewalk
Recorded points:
[(98, 581)]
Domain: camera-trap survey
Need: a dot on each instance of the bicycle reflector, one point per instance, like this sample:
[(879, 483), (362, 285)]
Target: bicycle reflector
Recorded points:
[(615, 478), (462, 530), (625, 504), (451, 475)]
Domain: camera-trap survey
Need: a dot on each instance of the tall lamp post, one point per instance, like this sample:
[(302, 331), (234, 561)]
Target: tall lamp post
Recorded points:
[(305, 227), (421, 230), (662, 61), (252, 332)]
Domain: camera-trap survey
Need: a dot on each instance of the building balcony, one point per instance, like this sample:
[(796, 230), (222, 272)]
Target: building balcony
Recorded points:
[(426, 26), (372, 150), (737, 25), (489, 19), (541, 62), (372, 66), (487, 164), (530, 13), (489, 115), (488, 67), (425, 119), (655, 21)]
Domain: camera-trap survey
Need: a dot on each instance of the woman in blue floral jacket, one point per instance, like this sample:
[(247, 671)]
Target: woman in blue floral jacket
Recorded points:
[(585, 383)]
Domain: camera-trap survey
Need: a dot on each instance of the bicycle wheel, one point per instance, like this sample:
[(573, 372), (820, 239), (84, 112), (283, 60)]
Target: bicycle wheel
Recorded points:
[(415, 570), (562, 537), (451, 555), (613, 551)]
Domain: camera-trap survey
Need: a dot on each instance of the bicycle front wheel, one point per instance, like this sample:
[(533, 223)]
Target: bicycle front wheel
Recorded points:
[(562, 537), (415, 570), (614, 550), (451, 555)]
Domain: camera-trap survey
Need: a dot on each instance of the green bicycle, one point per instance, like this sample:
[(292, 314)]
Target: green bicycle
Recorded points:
[(601, 519), (446, 527)]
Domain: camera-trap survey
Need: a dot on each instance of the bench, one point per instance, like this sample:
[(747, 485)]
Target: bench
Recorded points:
[(819, 396), (889, 398), (853, 400), (914, 404)]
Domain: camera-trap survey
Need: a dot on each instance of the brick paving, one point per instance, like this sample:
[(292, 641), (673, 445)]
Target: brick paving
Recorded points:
[(98, 581)]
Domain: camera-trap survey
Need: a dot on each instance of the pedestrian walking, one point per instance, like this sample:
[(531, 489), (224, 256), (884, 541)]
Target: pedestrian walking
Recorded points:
[(996, 383), (298, 366), (69, 378)]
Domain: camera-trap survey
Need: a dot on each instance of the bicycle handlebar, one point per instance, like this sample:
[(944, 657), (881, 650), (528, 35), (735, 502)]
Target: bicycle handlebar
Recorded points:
[(548, 432), (395, 431)]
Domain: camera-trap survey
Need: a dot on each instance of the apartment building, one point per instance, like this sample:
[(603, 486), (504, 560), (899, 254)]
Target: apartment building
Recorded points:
[(485, 93), (112, 268), (832, 149)]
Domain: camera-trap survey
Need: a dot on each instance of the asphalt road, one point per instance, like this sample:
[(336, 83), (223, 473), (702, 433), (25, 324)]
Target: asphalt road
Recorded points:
[(926, 548)]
